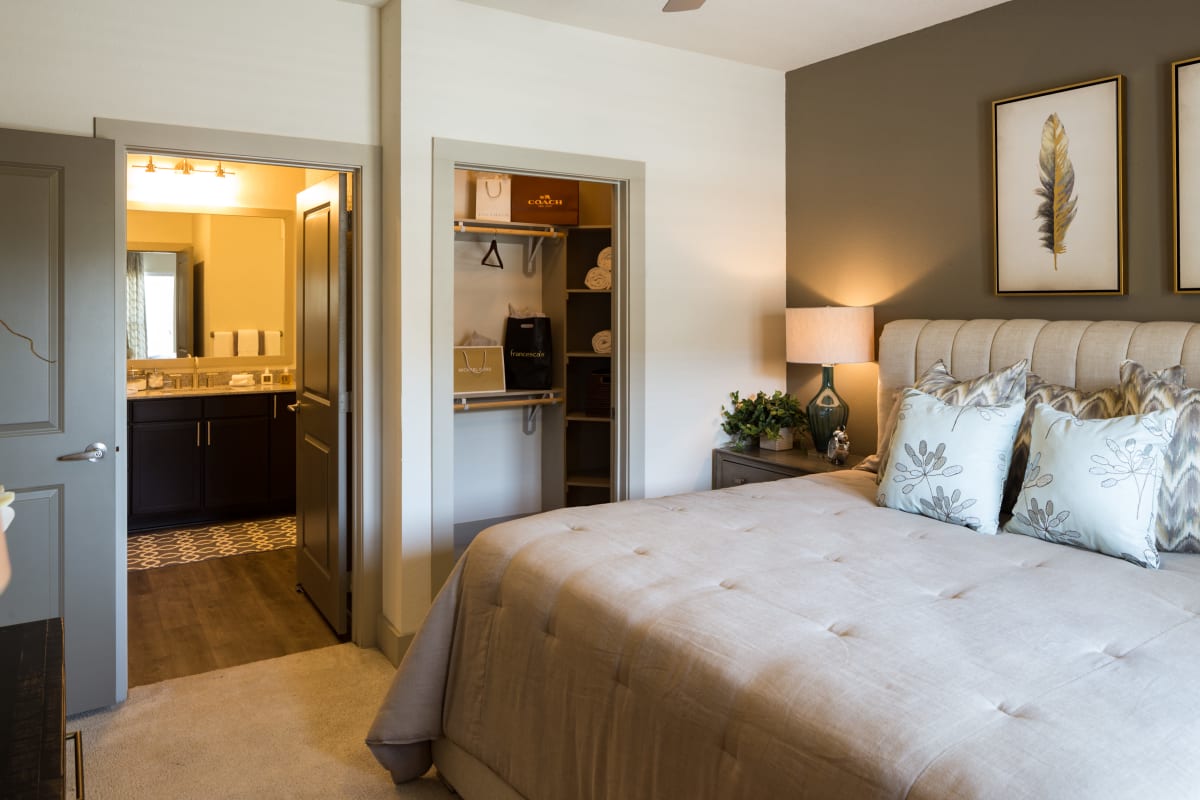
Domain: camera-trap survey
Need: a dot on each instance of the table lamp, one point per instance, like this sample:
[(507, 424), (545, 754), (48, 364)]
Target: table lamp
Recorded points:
[(829, 335)]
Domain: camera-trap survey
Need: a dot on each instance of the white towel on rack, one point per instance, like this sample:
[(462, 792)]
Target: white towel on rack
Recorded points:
[(272, 343), (598, 279), (222, 343), (602, 342), (604, 260), (247, 342)]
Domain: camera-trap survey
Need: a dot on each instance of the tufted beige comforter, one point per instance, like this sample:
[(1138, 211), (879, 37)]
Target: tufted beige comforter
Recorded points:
[(792, 640)]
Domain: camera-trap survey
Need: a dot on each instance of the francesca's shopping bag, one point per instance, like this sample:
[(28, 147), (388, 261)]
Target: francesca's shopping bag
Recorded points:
[(493, 197), (528, 353)]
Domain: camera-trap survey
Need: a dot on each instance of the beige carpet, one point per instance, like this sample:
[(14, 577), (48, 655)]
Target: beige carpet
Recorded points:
[(289, 727)]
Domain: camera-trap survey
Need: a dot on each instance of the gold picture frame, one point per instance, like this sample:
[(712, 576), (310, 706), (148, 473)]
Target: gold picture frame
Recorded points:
[(1185, 172), (1058, 190)]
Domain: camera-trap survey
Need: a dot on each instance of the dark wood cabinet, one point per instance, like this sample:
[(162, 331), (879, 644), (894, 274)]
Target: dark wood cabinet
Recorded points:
[(236, 477), (203, 459), (171, 460), (282, 489), (32, 720)]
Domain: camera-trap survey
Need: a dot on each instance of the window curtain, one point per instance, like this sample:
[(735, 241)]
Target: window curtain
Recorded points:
[(135, 305)]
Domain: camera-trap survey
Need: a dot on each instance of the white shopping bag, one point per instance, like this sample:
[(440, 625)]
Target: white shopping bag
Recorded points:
[(493, 197)]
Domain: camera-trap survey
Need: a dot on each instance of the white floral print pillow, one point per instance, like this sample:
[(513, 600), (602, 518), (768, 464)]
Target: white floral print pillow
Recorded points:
[(1094, 483), (949, 462)]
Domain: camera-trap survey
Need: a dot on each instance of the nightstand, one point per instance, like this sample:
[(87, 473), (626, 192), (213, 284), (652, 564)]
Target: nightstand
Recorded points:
[(736, 467)]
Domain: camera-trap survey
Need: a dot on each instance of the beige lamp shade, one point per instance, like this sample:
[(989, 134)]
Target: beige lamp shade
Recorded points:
[(830, 335)]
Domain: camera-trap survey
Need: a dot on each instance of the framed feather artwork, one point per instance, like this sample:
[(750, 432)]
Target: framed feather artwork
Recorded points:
[(1185, 87), (1059, 190)]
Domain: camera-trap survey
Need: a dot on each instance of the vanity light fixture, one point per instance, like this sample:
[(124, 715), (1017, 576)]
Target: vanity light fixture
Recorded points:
[(183, 167)]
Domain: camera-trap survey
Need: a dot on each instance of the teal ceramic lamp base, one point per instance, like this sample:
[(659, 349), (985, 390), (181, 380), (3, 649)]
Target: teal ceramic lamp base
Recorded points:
[(827, 411)]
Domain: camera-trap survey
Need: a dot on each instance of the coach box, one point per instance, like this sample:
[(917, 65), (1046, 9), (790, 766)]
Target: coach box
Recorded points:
[(478, 370), (549, 201)]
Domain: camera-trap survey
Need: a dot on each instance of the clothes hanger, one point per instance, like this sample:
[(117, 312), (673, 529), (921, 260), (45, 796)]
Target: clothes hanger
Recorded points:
[(493, 251)]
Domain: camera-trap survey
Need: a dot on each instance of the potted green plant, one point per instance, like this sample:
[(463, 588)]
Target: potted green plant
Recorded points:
[(773, 420)]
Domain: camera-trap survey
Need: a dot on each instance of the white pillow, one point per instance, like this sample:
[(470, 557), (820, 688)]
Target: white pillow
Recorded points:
[(1094, 483), (949, 462)]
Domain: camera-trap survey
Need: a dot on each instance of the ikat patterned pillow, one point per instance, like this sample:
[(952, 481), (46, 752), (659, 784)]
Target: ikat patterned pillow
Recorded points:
[(948, 461), (998, 388), (1093, 483), (1177, 526), (1101, 404)]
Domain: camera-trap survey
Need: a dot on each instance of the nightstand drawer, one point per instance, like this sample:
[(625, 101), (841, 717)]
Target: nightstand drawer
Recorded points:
[(735, 474), (736, 467)]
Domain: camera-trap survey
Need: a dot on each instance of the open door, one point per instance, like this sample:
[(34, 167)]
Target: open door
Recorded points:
[(322, 558), (58, 399)]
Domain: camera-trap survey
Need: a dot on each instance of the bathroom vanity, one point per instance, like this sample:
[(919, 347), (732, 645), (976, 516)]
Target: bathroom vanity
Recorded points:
[(209, 455)]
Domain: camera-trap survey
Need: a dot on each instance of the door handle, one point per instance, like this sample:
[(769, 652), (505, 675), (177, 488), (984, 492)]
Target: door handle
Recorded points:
[(294, 406), (93, 453)]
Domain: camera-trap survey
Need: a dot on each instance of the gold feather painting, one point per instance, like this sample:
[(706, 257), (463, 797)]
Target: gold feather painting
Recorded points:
[(1057, 209), (1058, 190)]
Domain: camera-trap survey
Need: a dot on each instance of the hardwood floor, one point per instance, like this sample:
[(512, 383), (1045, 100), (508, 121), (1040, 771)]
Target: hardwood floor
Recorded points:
[(193, 618)]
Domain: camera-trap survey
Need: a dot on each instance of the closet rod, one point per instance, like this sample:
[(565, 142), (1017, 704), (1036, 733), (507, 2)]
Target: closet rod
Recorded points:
[(460, 228), (462, 404)]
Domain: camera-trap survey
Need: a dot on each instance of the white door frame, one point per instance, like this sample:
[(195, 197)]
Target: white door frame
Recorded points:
[(366, 341)]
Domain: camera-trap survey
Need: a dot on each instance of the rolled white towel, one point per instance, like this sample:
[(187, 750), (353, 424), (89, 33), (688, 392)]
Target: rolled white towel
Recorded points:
[(602, 342), (598, 279), (604, 260)]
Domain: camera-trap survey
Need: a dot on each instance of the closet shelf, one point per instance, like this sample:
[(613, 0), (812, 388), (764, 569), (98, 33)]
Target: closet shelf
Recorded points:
[(598, 480), (580, 417), (525, 229), (536, 234), (587, 354), (589, 291), (512, 399)]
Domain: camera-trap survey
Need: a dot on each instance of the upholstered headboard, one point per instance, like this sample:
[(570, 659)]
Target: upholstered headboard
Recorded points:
[(1078, 353)]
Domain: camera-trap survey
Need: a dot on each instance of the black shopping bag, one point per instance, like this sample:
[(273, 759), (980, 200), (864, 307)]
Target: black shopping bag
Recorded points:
[(528, 354)]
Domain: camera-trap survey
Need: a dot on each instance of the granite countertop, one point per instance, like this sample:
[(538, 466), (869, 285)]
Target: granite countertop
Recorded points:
[(205, 391)]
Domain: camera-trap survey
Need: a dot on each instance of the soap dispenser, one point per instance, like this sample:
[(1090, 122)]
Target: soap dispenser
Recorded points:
[(286, 378)]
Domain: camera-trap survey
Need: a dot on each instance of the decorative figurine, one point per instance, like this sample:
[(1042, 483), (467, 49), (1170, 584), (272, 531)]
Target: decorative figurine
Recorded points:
[(839, 446)]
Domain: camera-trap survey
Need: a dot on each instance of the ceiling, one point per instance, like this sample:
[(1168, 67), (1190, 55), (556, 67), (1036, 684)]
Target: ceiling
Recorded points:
[(779, 34)]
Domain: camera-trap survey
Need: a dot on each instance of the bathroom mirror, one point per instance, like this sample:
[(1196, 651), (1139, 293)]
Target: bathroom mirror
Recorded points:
[(191, 276), (159, 304)]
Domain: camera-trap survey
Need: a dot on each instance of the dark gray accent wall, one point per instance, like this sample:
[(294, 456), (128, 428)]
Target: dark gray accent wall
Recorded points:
[(889, 180)]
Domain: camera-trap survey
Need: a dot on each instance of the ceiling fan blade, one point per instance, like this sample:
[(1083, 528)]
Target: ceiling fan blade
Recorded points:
[(682, 5)]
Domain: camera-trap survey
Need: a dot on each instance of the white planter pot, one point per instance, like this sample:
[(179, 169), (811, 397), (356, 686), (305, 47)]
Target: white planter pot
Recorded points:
[(784, 442)]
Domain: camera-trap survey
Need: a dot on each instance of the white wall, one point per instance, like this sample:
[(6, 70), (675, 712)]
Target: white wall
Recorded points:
[(291, 67), (711, 134)]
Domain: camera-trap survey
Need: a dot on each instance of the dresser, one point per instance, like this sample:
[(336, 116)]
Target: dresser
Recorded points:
[(33, 712)]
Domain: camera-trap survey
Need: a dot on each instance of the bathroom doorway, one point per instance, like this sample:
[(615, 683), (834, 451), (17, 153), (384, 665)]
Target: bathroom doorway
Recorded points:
[(212, 355), (354, 538)]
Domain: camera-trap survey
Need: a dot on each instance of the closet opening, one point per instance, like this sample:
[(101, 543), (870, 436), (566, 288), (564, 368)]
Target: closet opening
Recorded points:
[(556, 417), (537, 279)]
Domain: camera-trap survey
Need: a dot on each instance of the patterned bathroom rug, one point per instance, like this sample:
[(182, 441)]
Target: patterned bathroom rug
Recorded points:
[(199, 542)]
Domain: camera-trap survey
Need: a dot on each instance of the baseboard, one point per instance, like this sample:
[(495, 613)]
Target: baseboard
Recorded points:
[(391, 642)]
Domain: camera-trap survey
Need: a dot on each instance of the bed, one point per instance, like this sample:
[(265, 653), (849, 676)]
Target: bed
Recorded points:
[(794, 639)]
